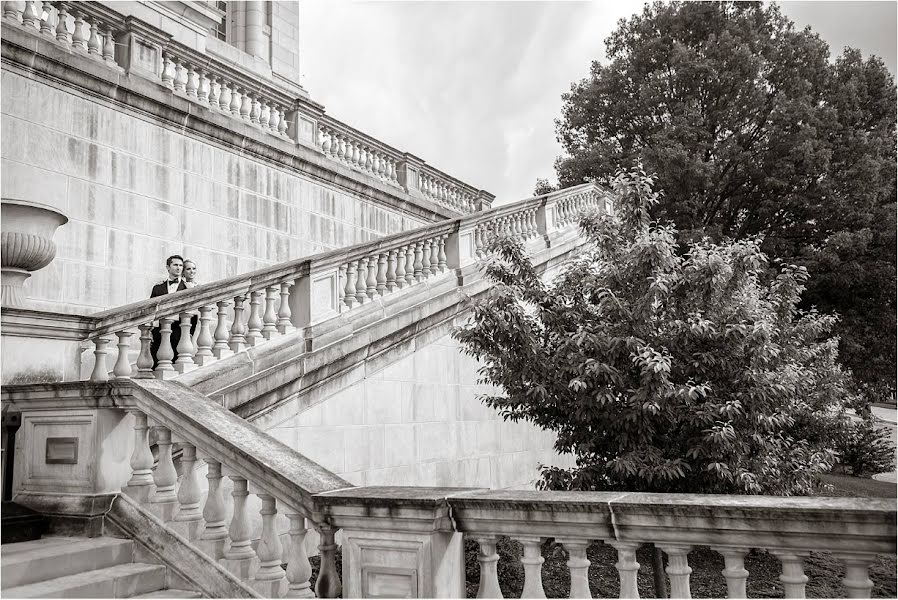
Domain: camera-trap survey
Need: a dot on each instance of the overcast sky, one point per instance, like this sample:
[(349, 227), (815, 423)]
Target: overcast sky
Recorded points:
[(473, 88)]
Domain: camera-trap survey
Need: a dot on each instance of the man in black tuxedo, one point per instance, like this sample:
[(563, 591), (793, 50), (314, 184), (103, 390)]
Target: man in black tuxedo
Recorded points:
[(173, 283)]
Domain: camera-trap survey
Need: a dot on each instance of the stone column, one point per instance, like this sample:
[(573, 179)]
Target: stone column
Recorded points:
[(26, 245), (255, 44)]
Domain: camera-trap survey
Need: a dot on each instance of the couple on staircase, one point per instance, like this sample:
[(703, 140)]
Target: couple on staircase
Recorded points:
[(176, 266)]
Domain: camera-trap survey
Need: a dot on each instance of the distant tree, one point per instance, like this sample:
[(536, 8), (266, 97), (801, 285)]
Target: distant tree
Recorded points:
[(543, 187), (661, 370), (752, 131)]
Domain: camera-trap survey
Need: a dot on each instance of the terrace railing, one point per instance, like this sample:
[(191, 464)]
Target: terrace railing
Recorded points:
[(250, 309), (127, 44)]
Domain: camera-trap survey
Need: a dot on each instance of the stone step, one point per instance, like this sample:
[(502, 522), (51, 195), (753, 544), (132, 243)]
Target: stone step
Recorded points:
[(120, 581), (171, 594), (32, 562)]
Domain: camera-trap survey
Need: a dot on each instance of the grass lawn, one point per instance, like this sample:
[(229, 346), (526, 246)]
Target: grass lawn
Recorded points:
[(823, 571)]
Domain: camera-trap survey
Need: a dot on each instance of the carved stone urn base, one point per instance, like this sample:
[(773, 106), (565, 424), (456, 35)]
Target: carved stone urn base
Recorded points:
[(26, 245)]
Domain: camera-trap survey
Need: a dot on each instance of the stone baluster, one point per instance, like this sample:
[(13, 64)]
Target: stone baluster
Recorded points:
[(339, 146), (627, 568), (400, 267), (425, 259), (191, 83), (141, 485), (255, 111), (204, 340), (489, 574), (274, 121), (578, 565), (62, 29), (349, 290), (254, 322), (238, 558), (328, 583), (364, 157), (734, 570), (165, 500), (224, 98), (269, 579), (381, 277), (435, 256), (350, 151), (122, 368), (361, 282), (215, 534), (100, 371), (236, 102), (189, 520), (168, 71), (270, 318), (237, 342), (165, 353), (214, 91), (390, 283), (371, 281), (145, 358), (180, 75), (410, 264), (29, 15), (265, 115), (533, 565), (678, 569), (220, 348), (478, 241), (857, 581), (441, 254), (419, 265), (283, 125), (356, 154), (246, 105), (185, 362), (78, 40), (204, 86), (324, 140), (285, 323), (299, 570), (11, 11), (792, 577), (45, 26)]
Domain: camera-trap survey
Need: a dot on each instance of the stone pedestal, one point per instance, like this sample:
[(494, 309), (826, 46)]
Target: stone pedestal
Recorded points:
[(26, 245)]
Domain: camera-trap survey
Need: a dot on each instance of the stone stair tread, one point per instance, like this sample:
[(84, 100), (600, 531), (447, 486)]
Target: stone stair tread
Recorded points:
[(172, 593), (46, 541), (63, 547), (120, 581)]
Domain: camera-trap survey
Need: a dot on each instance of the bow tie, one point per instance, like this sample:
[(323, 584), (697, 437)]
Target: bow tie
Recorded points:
[(173, 281)]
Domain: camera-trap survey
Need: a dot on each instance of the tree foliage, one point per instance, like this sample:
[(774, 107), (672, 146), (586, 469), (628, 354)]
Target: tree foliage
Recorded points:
[(661, 370), (751, 130)]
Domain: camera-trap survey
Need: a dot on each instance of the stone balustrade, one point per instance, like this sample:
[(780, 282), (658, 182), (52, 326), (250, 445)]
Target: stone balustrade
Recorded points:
[(353, 148), (406, 542), (132, 46), (249, 310)]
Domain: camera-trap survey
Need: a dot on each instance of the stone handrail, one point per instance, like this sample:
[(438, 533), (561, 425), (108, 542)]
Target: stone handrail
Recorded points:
[(283, 480), (854, 529), (135, 47), (297, 294)]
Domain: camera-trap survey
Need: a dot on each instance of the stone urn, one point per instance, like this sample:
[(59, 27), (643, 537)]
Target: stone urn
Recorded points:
[(26, 244)]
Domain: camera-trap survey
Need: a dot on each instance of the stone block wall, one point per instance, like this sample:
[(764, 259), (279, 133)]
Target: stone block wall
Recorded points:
[(136, 192), (418, 422)]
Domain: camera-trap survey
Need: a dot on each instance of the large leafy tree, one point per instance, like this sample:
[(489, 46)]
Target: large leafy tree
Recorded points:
[(663, 370), (752, 130)]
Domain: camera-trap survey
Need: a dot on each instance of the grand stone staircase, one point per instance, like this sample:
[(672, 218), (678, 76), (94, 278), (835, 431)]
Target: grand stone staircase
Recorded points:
[(80, 567)]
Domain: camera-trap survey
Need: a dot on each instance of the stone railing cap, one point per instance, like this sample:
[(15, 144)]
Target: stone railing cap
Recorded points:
[(392, 495)]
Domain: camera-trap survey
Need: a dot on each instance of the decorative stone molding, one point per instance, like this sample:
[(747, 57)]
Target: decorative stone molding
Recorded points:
[(26, 244)]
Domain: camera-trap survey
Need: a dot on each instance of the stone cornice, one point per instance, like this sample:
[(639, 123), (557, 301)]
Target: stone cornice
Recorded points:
[(35, 57)]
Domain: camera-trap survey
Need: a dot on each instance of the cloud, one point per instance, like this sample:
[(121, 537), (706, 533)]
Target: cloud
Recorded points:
[(473, 88)]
